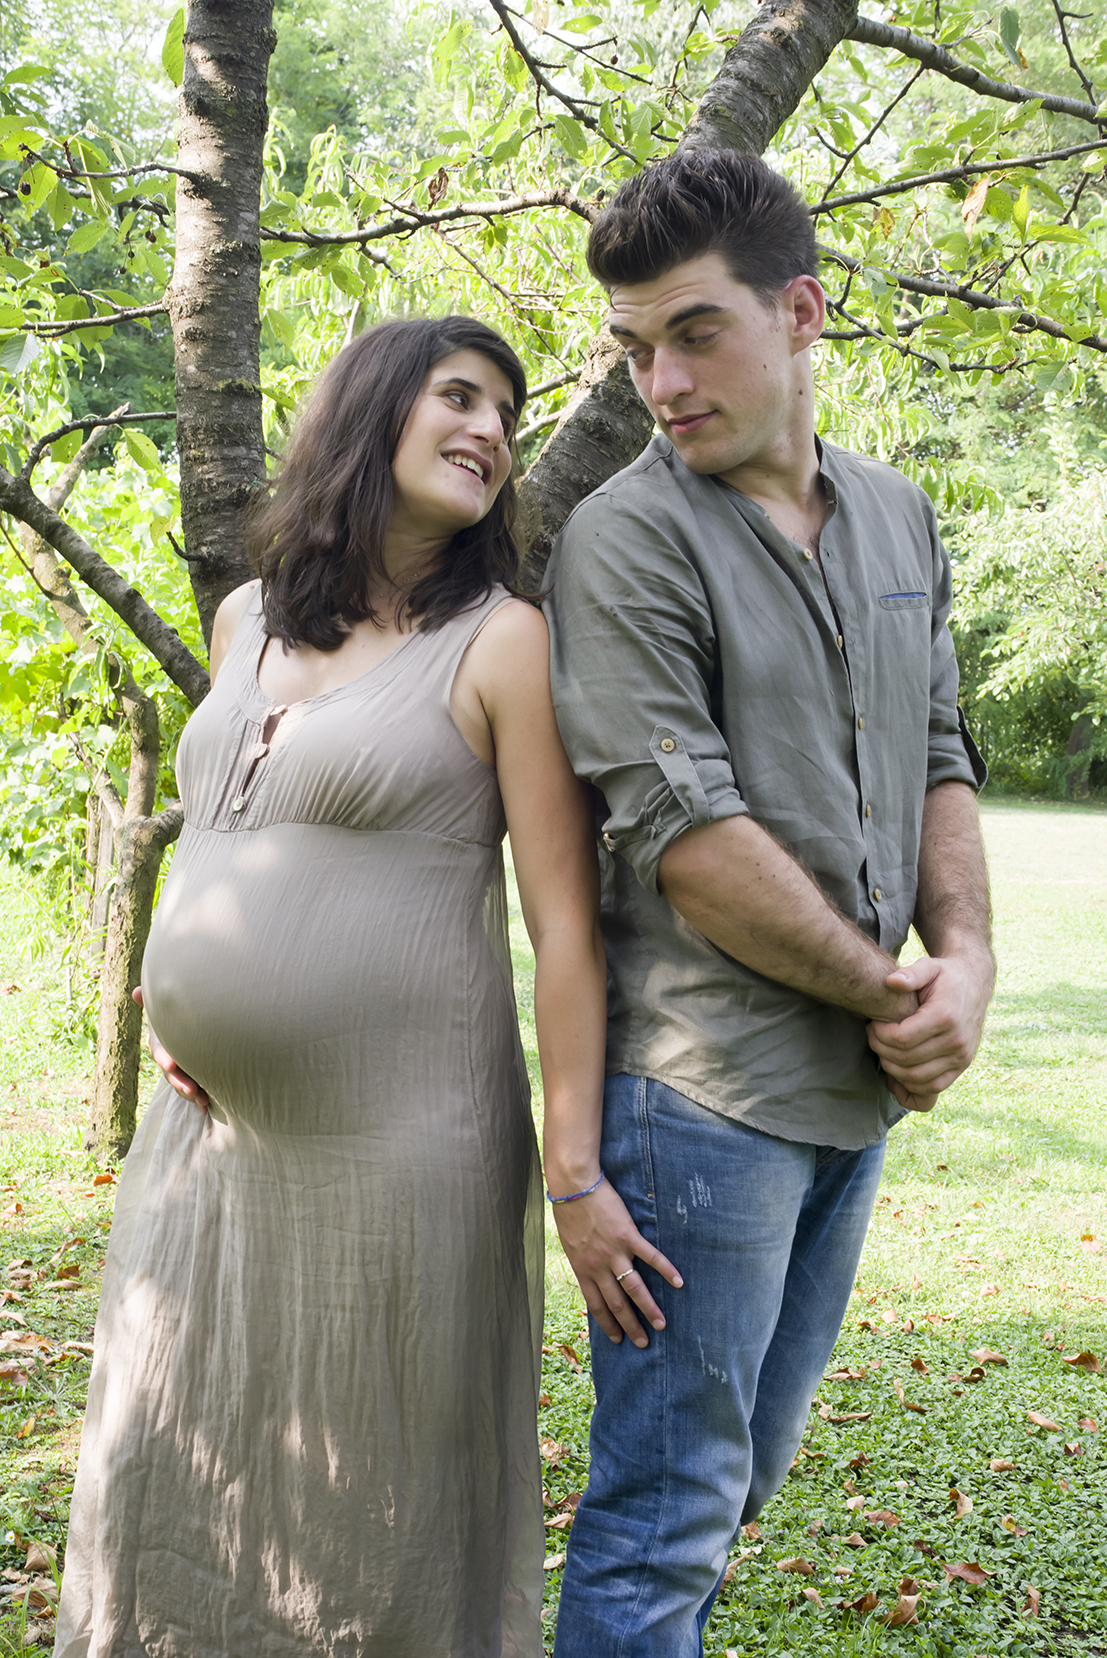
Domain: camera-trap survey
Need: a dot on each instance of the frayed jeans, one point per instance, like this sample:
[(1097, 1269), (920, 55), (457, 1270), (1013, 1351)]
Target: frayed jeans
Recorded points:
[(693, 1435)]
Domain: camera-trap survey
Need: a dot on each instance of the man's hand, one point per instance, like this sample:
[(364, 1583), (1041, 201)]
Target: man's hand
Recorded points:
[(928, 1050), (186, 1086)]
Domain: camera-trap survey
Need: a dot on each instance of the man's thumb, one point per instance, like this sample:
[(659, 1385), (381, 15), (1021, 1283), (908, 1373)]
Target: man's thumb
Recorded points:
[(914, 976)]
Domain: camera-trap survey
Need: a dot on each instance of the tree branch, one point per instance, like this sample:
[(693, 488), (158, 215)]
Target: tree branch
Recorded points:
[(1062, 16), (872, 132), (125, 172), (120, 417), (952, 174), (766, 73), (413, 219), (567, 379), (163, 643), (972, 297), (867, 32), (54, 327), (541, 79)]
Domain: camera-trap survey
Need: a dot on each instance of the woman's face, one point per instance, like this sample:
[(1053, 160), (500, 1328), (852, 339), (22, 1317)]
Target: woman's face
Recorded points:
[(453, 458)]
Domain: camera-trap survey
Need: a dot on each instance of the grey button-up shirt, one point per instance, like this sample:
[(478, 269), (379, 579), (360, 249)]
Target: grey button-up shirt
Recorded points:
[(704, 667)]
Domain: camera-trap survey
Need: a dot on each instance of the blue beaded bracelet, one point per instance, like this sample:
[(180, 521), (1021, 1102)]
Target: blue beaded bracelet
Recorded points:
[(572, 1197)]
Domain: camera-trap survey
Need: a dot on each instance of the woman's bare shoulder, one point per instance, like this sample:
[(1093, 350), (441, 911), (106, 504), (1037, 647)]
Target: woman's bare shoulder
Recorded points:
[(227, 618), (517, 622)]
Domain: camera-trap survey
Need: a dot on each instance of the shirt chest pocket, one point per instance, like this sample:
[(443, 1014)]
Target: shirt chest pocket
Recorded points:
[(905, 601)]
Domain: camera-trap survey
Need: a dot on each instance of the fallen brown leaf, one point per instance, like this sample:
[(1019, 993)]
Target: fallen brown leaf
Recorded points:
[(962, 1504), (12, 1374), (569, 1353), (904, 1611), (850, 1416), (1083, 1361), (1041, 1421), (543, 1400), (989, 1289), (103, 1180), (1033, 1599), (920, 1410), (560, 1522), (859, 1461), (855, 1502), (552, 1562), (27, 1429), (854, 1540), (814, 1597), (1008, 1524), (550, 1451), (731, 1572), (752, 1532), (985, 1355), (40, 1557), (1001, 1465), (864, 1603), (1088, 1424), (919, 1365), (845, 1376), (969, 1572), (796, 1565), (1073, 1448), (976, 1374), (881, 1517)]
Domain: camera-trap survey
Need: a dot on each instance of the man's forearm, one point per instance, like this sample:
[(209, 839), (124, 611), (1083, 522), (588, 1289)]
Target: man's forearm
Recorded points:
[(748, 895), (953, 911)]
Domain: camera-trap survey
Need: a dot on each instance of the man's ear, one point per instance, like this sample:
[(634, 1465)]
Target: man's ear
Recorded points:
[(805, 305)]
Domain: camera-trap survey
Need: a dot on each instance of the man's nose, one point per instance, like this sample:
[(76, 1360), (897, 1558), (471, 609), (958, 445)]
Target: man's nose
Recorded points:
[(670, 379)]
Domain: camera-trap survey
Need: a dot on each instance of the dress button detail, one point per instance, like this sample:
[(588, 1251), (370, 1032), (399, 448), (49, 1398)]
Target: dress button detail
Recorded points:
[(841, 642), (259, 752), (239, 805), (877, 894), (860, 723), (667, 745), (608, 842), (807, 553), (868, 810)]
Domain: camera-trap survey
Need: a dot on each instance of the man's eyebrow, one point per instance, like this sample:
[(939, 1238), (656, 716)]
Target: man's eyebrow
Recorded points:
[(703, 309)]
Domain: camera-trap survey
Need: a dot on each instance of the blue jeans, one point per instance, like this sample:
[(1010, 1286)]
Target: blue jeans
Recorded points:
[(692, 1436)]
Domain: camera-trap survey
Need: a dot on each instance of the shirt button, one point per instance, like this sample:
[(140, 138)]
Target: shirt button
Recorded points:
[(608, 842), (667, 745), (841, 642), (877, 894), (260, 751), (807, 553), (868, 810), (239, 805), (860, 723)]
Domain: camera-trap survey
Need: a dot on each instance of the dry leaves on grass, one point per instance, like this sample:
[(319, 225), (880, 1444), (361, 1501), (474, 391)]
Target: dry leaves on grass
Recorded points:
[(863, 1603), (551, 1452), (804, 1567), (1088, 1424), (1032, 1602), (906, 1608), (1083, 1361), (969, 1571), (1001, 1465), (881, 1517), (813, 1596), (1008, 1524), (552, 1562), (985, 1355), (12, 1374), (1041, 1421), (920, 1410), (962, 1504), (570, 1355)]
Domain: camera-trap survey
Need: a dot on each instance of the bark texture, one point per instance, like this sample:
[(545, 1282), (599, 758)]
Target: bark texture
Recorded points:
[(140, 842), (213, 298), (604, 426), (138, 839), (764, 76), (766, 73)]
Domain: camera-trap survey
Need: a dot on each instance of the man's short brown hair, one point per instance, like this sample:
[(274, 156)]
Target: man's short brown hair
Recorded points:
[(705, 201)]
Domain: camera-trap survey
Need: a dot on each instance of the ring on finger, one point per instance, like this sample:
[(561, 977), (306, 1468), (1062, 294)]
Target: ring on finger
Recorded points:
[(619, 1276)]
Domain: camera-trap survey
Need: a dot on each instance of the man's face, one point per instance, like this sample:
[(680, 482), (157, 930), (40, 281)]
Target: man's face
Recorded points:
[(720, 372)]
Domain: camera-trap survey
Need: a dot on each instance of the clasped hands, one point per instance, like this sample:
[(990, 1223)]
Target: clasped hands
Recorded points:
[(926, 1050)]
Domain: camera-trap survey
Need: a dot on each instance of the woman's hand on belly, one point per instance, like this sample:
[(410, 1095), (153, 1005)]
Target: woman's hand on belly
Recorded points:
[(185, 1085)]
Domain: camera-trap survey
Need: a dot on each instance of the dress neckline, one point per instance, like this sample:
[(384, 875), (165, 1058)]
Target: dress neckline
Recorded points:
[(331, 690)]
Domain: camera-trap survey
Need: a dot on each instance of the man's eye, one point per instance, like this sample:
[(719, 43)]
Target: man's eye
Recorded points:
[(698, 339)]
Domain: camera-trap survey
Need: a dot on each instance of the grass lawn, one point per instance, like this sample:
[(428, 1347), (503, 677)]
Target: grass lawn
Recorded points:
[(986, 1241)]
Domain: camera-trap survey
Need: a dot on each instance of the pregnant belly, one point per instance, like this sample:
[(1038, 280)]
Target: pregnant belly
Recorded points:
[(290, 963)]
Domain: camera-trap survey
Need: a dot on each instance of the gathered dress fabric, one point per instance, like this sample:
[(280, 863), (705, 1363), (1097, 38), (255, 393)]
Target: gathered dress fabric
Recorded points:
[(311, 1419)]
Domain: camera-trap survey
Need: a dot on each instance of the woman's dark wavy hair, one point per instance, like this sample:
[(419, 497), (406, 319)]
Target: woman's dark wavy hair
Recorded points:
[(317, 544)]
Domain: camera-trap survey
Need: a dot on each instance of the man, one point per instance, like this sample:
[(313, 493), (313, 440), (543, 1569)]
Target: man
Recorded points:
[(751, 664)]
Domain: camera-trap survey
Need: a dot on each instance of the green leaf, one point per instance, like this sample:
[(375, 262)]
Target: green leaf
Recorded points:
[(86, 236), (140, 449), (172, 48), (570, 135), (582, 24), (1009, 31), (14, 267), (1020, 213), (17, 351), (60, 206)]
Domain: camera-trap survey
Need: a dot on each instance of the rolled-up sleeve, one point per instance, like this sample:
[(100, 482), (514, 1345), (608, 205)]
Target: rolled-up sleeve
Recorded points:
[(952, 756), (632, 667)]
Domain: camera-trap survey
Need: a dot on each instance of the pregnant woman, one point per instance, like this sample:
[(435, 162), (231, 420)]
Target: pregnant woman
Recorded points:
[(311, 1423)]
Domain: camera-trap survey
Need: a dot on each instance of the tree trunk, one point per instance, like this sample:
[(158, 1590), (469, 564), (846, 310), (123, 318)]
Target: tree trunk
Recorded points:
[(213, 298), (141, 842), (1078, 754), (764, 76), (101, 861)]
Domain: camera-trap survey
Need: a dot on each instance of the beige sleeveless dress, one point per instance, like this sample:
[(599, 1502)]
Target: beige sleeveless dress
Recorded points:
[(311, 1423)]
